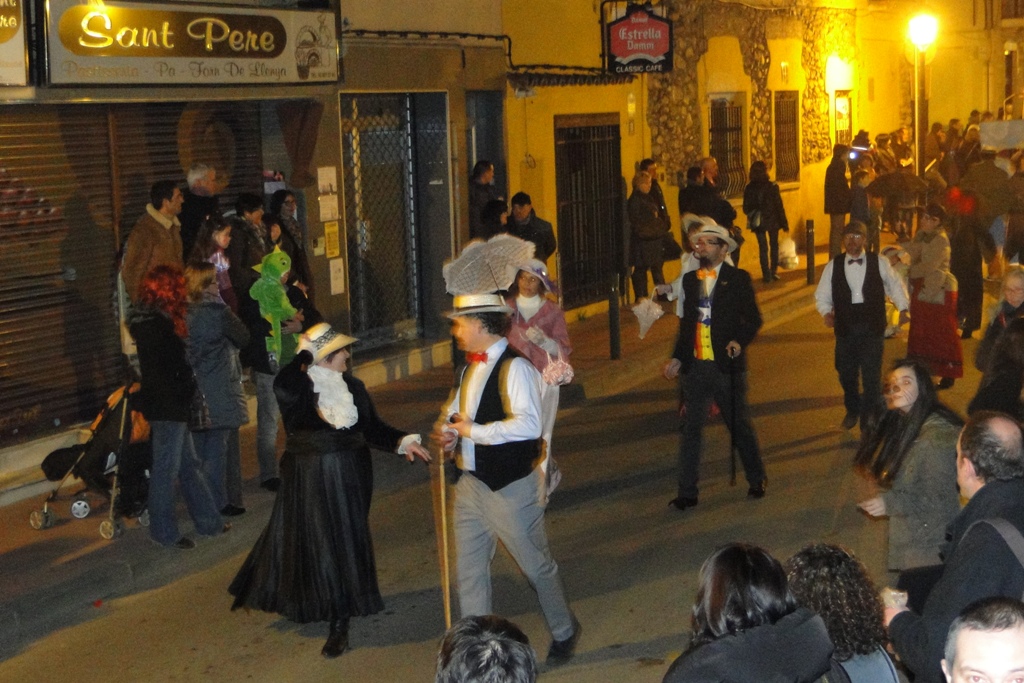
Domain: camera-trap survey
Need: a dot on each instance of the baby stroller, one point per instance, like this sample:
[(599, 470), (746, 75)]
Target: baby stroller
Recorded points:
[(114, 462)]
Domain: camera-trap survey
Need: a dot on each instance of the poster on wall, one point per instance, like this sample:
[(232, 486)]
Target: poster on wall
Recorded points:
[(117, 44), (13, 55), (639, 42)]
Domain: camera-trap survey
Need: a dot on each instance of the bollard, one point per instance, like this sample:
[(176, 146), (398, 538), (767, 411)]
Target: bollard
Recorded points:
[(809, 248), (614, 326)]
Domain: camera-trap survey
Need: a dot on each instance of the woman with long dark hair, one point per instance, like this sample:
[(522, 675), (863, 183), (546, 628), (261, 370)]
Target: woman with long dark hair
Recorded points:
[(910, 454), (762, 203), (835, 585), (747, 626), (158, 324)]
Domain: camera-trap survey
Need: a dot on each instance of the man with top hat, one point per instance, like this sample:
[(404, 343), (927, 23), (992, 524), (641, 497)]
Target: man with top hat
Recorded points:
[(720, 319), (495, 418), (851, 299)]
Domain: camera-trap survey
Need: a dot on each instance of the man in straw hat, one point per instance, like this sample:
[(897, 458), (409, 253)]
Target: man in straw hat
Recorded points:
[(494, 416), (851, 299), (720, 318)]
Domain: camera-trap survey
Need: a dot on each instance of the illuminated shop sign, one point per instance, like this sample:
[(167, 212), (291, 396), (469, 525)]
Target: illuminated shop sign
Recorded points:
[(639, 42), (13, 55), (147, 44)]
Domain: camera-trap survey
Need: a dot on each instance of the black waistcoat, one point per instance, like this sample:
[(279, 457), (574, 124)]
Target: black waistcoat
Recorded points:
[(870, 315), (501, 464)]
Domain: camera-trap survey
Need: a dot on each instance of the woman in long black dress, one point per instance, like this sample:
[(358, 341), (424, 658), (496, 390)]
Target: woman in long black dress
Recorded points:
[(314, 561)]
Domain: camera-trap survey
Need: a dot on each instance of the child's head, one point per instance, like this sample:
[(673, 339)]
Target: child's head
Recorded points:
[(214, 234), (861, 178)]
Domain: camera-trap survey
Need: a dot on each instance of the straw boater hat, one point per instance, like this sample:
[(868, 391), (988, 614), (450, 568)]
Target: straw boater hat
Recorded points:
[(465, 304), (708, 226), (321, 340)]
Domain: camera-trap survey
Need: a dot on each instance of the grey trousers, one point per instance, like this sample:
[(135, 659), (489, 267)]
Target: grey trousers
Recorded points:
[(515, 516), (267, 415)]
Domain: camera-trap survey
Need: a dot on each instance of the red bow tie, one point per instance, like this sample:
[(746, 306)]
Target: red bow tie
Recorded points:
[(476, 357)]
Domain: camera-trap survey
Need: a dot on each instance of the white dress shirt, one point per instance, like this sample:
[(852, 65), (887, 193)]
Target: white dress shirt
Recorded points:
[(522, 388), (894, 287)]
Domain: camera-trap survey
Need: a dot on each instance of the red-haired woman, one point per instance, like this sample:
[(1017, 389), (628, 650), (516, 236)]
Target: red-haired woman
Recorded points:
[(157, 322)]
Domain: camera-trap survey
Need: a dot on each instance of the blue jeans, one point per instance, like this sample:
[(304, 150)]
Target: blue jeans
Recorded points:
[(267, 414), (233, 469), (211, 447), (174, 457)]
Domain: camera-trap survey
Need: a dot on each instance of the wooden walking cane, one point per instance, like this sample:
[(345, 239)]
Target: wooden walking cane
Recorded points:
[(440, 500)]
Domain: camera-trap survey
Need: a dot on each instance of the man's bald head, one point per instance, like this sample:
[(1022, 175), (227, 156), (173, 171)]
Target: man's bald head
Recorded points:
[(994, 445)]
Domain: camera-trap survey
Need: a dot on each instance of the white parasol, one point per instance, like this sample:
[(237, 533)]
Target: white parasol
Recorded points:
[(487, 266), (646, 312)]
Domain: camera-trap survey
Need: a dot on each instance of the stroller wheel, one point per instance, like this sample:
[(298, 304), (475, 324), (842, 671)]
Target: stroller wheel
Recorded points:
[(110, 530), (81, 509), (41, 519), (144, 518)]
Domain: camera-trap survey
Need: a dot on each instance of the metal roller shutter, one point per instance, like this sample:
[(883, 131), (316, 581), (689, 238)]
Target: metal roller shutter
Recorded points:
[(73, 180), (59, 354)]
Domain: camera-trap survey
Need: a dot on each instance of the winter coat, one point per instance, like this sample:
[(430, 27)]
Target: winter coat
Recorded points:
[(644, 216), (765, 199), (837, 188), (215, 335), (149, 244), (977, 565), (795, 649), (247, 249), (536, 230), (923, 498), (167, 380)]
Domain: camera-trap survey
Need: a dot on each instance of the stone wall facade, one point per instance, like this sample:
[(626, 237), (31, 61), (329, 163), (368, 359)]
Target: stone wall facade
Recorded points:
[(675, 112)]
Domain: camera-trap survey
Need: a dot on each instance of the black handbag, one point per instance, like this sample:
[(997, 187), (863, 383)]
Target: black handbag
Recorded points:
[(670, 249), (198, 409)]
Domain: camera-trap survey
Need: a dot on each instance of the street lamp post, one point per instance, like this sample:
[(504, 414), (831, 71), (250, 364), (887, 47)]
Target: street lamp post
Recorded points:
[(922, 31)]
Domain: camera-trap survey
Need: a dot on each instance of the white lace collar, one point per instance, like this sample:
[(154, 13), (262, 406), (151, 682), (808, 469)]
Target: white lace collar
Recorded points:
[(334, 403)]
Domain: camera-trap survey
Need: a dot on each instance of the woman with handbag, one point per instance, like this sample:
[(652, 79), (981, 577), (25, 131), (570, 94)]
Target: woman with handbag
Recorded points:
[(910, 453), (540, 335), (647, 234), (169, 396), (762, 203), (215, 336)]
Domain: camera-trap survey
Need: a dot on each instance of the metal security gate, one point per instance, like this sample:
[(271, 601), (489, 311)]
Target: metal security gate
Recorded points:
[(588, 182), (725, 142), (380, 217)]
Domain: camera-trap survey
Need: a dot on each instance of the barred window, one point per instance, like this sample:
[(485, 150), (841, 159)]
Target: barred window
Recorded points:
[(787, 136), (725, 143), (1013, 9)]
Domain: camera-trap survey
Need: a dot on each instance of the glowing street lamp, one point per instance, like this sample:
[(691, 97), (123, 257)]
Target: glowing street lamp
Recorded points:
[(922, 31)]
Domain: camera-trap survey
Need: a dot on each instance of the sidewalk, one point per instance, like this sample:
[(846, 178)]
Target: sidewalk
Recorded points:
[(55, 577)]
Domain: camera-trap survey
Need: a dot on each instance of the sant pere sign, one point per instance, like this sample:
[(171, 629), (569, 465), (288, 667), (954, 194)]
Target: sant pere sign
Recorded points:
[(639, 42), (112, 43)]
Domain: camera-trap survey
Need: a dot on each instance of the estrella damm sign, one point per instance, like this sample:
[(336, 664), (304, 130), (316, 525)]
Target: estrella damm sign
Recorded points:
[(639, 42)]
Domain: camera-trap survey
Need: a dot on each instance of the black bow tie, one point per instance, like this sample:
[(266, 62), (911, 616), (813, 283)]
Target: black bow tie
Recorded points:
[(858, 261)]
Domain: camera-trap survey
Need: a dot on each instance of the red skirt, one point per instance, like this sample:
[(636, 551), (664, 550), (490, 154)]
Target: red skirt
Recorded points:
[(934, 339)]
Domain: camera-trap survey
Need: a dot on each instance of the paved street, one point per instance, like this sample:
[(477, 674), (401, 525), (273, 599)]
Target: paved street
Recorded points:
[(628, 561)]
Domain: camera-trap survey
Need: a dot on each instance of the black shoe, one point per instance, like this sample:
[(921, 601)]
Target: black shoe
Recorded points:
[(337, 641), (184, 543), (757, 491), (945, 383), (232, 511), (272, 484), (682, 502), (849, 422), (561, 651), (966, 334)]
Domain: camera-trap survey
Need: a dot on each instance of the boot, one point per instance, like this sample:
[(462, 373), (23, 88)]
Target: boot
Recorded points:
[(337, 641)]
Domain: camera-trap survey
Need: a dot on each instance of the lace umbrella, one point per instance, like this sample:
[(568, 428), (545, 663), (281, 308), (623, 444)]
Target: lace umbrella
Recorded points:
[(487, 266), (646, 312)]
